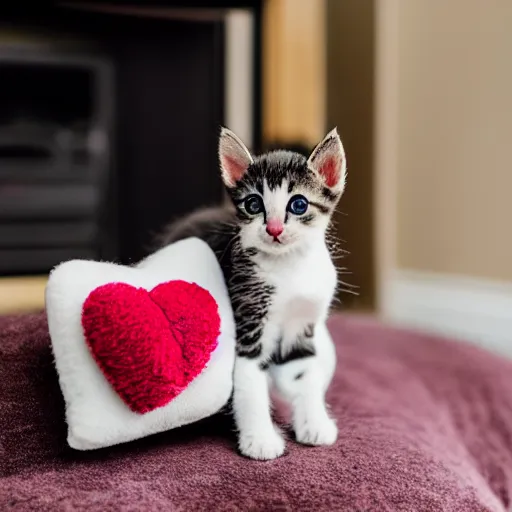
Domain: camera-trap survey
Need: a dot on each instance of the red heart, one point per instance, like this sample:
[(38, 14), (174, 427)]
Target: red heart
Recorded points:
[(150, 345)]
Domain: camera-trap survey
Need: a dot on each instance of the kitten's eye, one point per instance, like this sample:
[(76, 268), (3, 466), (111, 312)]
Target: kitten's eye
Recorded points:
[(298, 205), (253, 204)]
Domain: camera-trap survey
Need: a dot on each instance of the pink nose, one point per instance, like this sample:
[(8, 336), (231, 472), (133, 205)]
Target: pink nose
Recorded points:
[(274, 227)]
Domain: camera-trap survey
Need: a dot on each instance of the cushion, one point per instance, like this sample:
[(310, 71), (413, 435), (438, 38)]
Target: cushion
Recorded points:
[(425, 425), (138, 349)]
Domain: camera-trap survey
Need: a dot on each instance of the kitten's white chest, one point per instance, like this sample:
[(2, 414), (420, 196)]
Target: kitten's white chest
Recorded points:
[(304, 286)]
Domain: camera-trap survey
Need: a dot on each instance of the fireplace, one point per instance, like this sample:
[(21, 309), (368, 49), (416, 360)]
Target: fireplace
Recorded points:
[(55, 131), (109, 121)]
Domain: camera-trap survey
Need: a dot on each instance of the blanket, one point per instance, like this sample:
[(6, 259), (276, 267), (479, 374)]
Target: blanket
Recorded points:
[(425, 425)]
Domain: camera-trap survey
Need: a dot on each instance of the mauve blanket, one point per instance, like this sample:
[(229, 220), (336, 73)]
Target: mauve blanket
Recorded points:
[(425, 425)]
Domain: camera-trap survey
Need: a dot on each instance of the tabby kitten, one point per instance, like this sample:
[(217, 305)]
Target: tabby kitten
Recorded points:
[(271, 245)]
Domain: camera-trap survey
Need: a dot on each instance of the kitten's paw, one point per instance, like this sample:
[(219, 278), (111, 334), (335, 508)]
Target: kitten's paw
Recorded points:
[(261, 446), (317, 432)]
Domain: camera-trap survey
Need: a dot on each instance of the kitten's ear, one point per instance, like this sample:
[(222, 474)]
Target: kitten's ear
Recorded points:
[(328, 161), (234, 157)]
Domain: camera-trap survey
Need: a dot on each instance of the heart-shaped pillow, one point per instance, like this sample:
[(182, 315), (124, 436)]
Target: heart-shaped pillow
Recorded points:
[(150, 345), (141, 339)]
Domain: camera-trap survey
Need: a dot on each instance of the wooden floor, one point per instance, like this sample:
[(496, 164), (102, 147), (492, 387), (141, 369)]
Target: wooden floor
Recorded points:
[(26, 294), (22, 294)]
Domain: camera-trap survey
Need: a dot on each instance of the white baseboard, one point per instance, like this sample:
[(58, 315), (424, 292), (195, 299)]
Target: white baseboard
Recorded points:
[(475, 310)]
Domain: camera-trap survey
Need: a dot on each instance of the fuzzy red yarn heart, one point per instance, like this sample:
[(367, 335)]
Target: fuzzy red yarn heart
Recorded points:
[(150, 345)]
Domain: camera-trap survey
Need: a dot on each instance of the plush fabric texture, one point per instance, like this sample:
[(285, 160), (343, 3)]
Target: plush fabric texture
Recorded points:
[(154, 320), (425, 425), (150, 345)]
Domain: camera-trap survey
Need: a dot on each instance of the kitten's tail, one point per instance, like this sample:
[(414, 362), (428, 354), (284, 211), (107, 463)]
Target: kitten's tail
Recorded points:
[(206, 224)]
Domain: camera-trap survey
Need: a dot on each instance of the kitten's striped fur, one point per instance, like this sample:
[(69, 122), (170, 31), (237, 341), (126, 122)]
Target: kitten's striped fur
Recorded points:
[(253, 263)]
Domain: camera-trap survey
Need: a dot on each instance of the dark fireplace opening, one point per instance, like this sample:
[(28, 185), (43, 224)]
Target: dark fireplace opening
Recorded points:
[(55, 126), (47, 93), (108, 130)]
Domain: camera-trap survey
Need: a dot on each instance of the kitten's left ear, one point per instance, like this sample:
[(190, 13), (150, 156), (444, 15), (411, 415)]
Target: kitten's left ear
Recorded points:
[(328, 161), (234, 157)]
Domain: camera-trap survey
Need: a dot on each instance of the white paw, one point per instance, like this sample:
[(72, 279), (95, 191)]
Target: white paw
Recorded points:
[(264, 446), (317, 432)]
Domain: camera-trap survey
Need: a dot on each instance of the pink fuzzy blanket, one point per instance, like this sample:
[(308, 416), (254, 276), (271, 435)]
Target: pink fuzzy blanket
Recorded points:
[(425, 425)]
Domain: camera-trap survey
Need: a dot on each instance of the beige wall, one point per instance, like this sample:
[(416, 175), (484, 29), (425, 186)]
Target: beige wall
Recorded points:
[(453, 66)]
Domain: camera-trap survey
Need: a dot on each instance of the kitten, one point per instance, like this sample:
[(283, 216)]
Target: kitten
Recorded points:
[(271, 245)]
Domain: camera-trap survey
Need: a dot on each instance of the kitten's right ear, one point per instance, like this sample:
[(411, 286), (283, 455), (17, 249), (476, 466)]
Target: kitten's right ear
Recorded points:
[(328, 161), (234, 157)]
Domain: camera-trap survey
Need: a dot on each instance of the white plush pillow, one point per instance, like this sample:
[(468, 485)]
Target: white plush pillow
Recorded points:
[(96, 414)]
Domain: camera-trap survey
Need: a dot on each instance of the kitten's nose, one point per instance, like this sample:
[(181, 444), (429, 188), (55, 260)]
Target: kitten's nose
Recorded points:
[(274, 227)]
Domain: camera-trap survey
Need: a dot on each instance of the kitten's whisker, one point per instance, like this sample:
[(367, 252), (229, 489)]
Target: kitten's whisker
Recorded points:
[(229, 244), (345, 290), (223, 232), (348, 284)]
